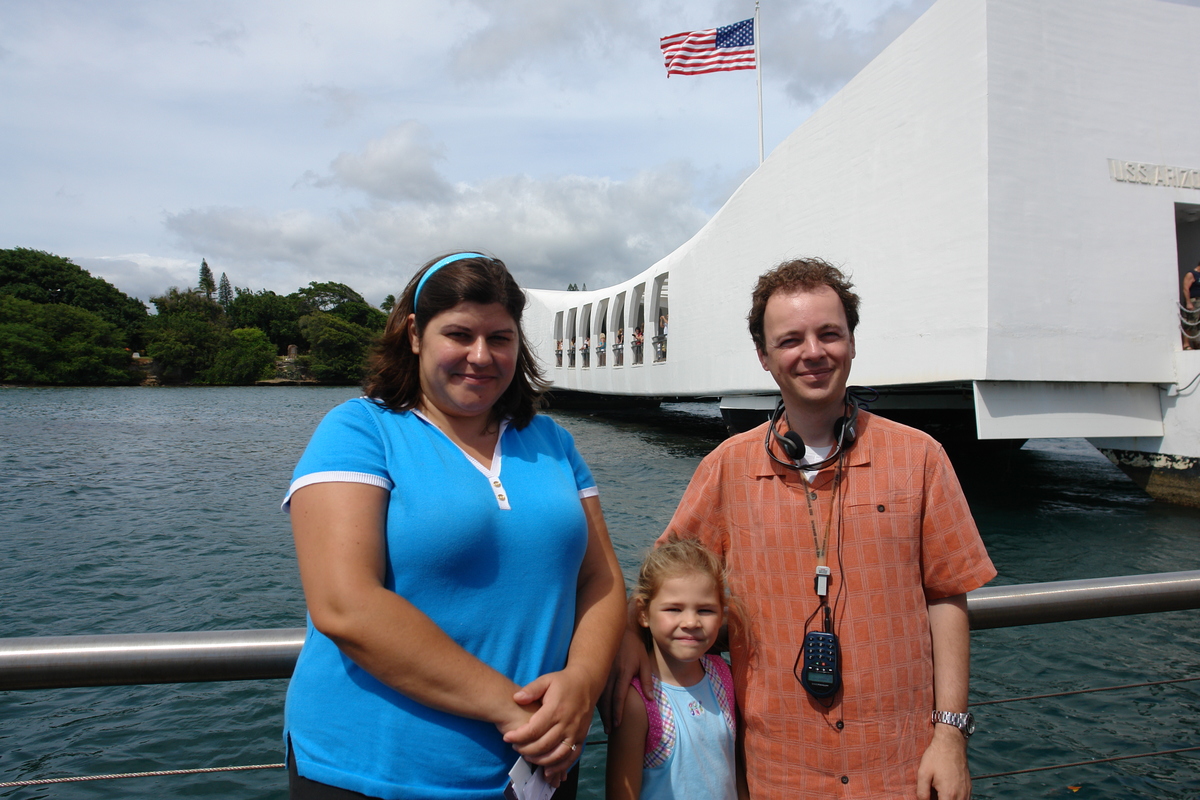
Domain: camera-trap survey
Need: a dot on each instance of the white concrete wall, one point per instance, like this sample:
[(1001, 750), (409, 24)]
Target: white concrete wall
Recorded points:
[(1082, 268), (1180, 402)]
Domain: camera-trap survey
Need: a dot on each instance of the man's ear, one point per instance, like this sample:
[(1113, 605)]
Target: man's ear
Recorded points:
[(414, 341), (852, 353)]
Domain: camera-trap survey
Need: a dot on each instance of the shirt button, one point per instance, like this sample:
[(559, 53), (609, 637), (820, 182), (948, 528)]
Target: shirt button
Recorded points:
[(501, 498), (812, 495), (496, 484), (879, 508), (840, 724), (845, 779)]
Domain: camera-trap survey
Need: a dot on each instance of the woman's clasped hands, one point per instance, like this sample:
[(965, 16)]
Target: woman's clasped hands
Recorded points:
[(557, 713)]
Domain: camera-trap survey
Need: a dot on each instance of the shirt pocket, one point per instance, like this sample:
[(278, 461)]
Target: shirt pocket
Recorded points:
[(889, 514), (884, 530)]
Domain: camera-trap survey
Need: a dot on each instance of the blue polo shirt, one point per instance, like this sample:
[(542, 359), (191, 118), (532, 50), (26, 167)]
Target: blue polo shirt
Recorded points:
[(492, 556)]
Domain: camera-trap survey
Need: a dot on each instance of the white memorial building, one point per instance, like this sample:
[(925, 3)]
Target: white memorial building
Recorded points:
[(1014, 187)]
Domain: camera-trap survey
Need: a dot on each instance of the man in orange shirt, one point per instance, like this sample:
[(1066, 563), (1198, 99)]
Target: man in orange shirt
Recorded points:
[(836, 521)]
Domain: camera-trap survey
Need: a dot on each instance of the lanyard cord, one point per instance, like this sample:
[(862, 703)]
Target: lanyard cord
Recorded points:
[(822, 546), (823, 573)]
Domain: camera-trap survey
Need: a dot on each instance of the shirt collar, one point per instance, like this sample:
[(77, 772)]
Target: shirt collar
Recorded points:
[(762, 466)]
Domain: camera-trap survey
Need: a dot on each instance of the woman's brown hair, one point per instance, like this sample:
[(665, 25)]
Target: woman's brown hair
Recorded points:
[(393, 372)]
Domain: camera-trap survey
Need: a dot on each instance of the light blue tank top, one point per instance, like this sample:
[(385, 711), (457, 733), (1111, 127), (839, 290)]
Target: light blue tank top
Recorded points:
[(701, 763)]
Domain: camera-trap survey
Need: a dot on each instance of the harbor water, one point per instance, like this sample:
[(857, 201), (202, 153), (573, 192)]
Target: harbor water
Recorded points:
[(146, 510)]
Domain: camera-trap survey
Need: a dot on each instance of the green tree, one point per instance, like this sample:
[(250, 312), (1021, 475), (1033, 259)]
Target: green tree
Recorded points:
[(361, 314), (339, 348), (246, 356), (224, 292), (41, 277), (187, 301), (388, 304), (275, 315), (57, 344), (186, 335), (206, 283), (327, 296), (341, 301), (183, 346)]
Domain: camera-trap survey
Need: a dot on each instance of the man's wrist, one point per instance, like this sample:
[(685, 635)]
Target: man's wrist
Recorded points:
[(963, 722)]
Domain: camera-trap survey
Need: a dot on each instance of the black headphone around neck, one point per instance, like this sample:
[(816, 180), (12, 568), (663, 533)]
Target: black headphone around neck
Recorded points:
[(844, 431)]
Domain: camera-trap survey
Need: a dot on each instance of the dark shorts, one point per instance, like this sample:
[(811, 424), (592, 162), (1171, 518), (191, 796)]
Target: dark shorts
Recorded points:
[(301, 788)]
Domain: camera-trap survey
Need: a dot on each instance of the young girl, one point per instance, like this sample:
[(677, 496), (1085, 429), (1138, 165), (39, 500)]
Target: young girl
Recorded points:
[(677, 737)]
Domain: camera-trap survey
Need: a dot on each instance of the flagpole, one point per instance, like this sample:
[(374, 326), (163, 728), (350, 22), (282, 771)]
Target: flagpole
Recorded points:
[(758, 75)]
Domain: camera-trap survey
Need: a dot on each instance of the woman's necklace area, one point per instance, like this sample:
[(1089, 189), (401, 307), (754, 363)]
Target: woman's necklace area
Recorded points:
[(485, 458), (480, 446)]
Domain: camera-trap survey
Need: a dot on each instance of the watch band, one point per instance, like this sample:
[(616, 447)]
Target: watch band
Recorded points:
[(965, 722)]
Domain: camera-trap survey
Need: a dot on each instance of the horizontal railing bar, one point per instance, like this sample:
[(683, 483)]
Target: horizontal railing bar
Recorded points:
[(1092, 598), (45, 662)]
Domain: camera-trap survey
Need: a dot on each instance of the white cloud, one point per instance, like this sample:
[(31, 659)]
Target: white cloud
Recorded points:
[(520, 33), (344, 104), (546, 132), (397, 166), (142, 275), (816, 47), (225, 37), (550, 232)]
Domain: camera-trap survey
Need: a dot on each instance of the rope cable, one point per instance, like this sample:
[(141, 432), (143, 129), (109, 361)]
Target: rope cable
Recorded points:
[(1083, 691), (155, 773), (1083, 763)]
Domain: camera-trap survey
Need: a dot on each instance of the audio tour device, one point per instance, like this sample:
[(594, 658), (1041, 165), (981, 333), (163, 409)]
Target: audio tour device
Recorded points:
[(821, 671)]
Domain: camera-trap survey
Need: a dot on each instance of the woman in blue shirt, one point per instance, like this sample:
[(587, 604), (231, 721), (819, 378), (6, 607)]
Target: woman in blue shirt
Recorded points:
[(464, 599)]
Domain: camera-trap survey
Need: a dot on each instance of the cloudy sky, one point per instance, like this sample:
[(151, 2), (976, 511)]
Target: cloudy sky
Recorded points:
[(287, 142)]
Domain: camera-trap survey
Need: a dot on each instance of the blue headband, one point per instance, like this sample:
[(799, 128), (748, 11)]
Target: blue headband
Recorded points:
[(436, 267)]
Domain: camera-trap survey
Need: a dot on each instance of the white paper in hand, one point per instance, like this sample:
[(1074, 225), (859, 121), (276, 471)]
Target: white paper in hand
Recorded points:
[(525, 783)]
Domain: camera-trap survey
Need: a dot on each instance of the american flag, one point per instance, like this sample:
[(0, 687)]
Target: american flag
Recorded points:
[(714, 50)]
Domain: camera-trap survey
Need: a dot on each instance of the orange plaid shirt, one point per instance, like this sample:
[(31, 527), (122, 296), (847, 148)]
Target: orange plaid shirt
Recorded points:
[(906, 536)]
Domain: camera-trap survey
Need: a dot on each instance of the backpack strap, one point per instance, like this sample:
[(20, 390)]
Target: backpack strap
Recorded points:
[(721, 679), (660, 730)]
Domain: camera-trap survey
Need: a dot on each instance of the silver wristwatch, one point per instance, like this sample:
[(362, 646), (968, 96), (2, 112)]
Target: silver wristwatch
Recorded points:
[(964, 722)]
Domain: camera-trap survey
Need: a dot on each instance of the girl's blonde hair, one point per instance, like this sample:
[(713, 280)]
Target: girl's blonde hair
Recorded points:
[(672, 559)]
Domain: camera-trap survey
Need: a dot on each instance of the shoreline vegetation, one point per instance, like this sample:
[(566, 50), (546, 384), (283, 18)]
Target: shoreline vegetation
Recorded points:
[(61, 326)]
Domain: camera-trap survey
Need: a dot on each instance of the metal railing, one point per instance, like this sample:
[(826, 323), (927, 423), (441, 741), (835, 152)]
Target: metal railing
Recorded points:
[(1093, 598), (43, 662), (127, 659)]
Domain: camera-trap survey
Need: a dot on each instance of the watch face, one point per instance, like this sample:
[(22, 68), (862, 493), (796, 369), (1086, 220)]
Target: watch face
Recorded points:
[(969, 728)]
